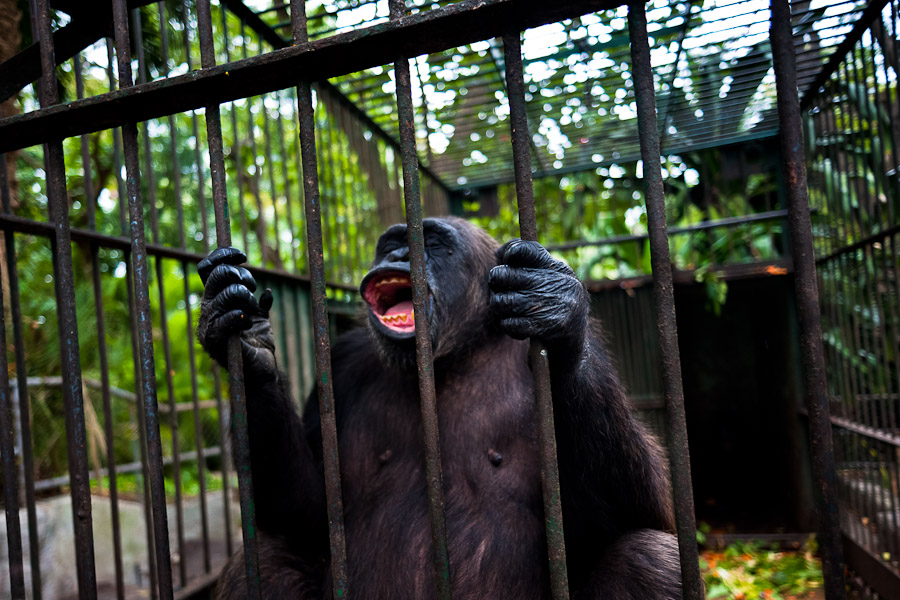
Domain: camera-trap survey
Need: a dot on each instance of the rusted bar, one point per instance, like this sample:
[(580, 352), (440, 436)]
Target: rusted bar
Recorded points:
[(90, 207), (236, 141), (15, 311), (351, 197), (288, 204), (537, 355), (679, 456), (141, 281), (198, 422), (298, 160), (331, 205), (142, 430), (226, 454), (270, 169), (10, 470), (424, 358), (150, 175), (807, 300), (235, 358), (64, 286), (135, 349), (324, 387), (175, 178)]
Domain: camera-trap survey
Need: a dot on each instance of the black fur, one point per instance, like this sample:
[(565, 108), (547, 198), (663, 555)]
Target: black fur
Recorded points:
[(614, 484)]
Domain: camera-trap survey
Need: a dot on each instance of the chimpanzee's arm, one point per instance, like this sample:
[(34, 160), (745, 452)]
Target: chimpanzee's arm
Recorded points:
[(612, 472), (287, 487)]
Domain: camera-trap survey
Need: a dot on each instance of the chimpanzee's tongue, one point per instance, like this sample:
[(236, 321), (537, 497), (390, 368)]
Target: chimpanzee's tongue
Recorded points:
[(400, 308)]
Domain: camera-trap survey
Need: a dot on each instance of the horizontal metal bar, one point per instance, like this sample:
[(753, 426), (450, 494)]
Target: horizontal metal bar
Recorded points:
[(859, 245), (427, 32), (864, 430), (113, 391), (132, 467), (873, 571), (772, 215), (23, 225), (737, 272)]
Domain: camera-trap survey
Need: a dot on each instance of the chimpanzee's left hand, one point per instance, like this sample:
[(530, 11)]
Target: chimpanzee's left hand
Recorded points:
[(533, 295)]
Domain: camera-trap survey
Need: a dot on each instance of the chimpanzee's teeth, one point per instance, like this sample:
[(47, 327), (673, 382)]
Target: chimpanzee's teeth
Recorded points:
[(398, 319), (391, 280)]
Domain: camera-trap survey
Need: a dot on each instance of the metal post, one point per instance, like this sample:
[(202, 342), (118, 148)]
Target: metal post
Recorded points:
[(537, 355), (324, 387), (807, 294), (101, 346), (663, 293), (235, 358), (142, 300), (64, 285), (424, 358)]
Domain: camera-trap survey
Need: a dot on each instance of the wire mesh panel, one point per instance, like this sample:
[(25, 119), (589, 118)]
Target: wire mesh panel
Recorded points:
[(852, 122)]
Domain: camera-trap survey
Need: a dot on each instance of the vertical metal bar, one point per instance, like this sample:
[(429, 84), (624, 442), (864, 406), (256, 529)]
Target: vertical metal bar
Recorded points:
[(351, 196), (201, 195), (298, 158), (679, 454), (64, 286), (10, 467), (175, 177), (807, 299), (332, 206), (15, 310), (90, 206), (236, 142), (270, 169), (142, 301), (226, 457), (288, 204), (150, 176), (235, 359), (424, 357), (135, 350), (332, 468), (540, 366)]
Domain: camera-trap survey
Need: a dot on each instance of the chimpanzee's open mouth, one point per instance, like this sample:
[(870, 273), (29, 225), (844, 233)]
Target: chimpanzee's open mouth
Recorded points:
[(389, 295)]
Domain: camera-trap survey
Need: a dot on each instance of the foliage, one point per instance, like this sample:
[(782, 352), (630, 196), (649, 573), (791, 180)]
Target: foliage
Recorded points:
[(747, 570)]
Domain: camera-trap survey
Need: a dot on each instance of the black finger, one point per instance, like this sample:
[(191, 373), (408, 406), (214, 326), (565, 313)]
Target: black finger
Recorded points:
[(219, 256), (510, 304), (503, 278), (501, 251), (231, 323), (521, 253), (224, 275), (265, 302), (234, 297), (519, 328)]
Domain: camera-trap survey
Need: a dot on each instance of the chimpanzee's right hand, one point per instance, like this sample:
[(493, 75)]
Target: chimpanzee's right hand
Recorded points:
[(229, 307)]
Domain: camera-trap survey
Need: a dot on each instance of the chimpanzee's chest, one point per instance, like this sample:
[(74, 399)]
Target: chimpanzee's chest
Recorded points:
[(491, 484)]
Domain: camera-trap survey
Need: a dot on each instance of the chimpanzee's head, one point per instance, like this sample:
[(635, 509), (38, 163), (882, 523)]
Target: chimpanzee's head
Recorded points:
[(458, 258)]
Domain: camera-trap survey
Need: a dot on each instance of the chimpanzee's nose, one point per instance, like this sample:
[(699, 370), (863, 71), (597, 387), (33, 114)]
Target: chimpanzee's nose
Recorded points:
[(401, 254)]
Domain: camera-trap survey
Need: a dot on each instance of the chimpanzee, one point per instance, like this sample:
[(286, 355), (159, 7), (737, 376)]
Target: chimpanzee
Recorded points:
[(483, 304)]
